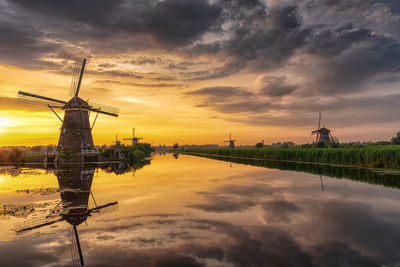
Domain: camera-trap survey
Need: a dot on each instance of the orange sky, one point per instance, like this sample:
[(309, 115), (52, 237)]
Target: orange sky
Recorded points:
[(160, 115)]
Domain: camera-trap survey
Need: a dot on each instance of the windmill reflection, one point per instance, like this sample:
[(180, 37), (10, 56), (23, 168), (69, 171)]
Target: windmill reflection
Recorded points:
[(75, 190)]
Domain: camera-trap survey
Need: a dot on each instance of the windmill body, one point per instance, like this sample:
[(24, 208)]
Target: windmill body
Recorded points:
[(76, 133), (324, 135)]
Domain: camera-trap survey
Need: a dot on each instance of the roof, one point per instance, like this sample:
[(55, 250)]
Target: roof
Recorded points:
[(76, 102)]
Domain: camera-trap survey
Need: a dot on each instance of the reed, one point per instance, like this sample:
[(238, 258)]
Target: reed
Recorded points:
[(373, 157)]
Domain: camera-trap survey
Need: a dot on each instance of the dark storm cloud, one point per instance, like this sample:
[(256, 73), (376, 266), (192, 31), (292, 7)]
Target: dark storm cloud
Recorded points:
[(25, 46), (260, 39), (353, 57), (172, 22), (227, 99), (138, 84), (330, 43), (275, 86), (220, 93)]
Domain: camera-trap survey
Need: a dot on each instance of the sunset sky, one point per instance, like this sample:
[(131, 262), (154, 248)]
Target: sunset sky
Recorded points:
[(192, 71)]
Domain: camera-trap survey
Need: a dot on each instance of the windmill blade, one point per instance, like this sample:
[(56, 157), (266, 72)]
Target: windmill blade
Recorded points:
[(319, 127), (80, 77), (319, 121), (76, 251), (107, 208), (107, 110), (35, 223), (75, 76), (38, 99)]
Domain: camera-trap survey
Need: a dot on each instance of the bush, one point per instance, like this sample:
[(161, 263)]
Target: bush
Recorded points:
[(136, 155)]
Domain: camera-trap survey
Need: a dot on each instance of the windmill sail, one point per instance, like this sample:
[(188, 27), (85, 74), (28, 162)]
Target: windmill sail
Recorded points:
[(319, 127), (35, 223), (38, 99), (75, 255), (107, 110), (76, 251), (75, 77)]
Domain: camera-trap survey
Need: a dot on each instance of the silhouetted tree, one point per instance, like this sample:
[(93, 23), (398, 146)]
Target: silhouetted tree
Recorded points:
[(259, 145), (175, 146), (396, 139)]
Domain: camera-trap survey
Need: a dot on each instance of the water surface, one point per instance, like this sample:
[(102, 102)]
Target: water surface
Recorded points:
[(191, 211)]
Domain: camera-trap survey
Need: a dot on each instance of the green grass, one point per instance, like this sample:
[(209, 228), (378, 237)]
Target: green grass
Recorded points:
[(373, 157)]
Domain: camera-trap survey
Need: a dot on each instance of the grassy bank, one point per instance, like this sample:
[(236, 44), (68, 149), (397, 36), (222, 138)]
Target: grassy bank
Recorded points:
[(372, 157)]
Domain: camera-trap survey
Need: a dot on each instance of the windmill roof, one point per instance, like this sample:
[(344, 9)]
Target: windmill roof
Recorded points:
[(76, 102)]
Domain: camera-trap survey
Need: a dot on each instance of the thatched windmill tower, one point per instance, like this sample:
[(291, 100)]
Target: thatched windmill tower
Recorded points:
[(76, 131), (231, 141), (323, 134), (73, 208), (134, 139)]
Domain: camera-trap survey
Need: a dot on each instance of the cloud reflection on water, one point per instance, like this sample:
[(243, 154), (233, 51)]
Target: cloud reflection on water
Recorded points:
[(259, 218)]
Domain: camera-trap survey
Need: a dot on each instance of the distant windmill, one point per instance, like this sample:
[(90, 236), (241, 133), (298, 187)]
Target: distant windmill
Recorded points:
[(76, 132), (134, 139), (75, 189), (117, 142), (231, 141), (323, 134)]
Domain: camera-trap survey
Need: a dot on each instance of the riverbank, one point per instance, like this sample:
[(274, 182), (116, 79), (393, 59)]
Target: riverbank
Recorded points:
[(387, 157)]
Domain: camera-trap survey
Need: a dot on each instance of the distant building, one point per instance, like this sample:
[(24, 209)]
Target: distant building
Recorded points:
[(118, 151)]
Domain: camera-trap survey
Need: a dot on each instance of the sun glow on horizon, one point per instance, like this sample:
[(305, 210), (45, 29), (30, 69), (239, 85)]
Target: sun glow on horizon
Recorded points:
[(6, 122)]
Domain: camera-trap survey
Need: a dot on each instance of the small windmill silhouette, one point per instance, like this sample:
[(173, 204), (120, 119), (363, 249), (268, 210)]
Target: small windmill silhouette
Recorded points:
[(231, 141), (323, 134), (134, 139)]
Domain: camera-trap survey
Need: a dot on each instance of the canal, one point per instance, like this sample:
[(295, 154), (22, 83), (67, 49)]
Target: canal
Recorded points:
[(191, 211)]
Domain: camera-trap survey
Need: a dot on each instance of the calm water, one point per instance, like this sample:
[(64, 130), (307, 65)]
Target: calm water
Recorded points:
[(195, 211)]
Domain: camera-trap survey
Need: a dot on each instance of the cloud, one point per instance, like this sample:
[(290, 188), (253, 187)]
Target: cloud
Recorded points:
[(221, 203), (275, 86), (279, 210), (220, 93), (138, 84)]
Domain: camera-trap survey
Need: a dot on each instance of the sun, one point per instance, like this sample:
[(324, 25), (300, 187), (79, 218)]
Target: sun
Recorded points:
[(5, 122)]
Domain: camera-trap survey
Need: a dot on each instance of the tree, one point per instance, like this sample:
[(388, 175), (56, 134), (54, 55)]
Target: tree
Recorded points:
[(15, 155), (259, 145), (396, 139), (36, 149), (175, 146)]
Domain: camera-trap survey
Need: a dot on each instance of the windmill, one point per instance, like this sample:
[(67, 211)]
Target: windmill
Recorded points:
[(76, 131), (323, 134), (75, 188), (134, 139), (231, 141)]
